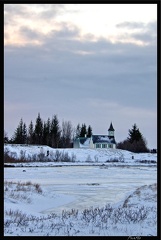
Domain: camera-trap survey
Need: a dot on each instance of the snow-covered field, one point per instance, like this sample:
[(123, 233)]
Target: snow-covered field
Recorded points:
[(100, 193)]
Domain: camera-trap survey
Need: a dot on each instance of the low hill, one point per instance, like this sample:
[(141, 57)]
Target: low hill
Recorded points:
[(19, 153)]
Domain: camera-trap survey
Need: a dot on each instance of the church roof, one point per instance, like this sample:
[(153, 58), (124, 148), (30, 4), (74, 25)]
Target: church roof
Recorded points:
[(84, 142), (111, 127), (103, 139)]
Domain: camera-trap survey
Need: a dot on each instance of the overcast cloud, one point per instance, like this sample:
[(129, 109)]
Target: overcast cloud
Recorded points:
[(53, 66)]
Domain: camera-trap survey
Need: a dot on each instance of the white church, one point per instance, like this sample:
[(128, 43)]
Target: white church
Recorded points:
[(97, 141)]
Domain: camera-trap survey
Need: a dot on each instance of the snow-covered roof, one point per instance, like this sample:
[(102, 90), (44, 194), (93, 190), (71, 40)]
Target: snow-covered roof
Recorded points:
[(103, 139), (84, 142)]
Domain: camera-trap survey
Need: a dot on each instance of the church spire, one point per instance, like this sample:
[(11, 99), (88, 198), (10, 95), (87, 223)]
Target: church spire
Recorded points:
[(111, 131), (111, 127)]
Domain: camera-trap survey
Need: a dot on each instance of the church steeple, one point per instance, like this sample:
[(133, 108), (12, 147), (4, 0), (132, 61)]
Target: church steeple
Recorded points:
[(111, 130)]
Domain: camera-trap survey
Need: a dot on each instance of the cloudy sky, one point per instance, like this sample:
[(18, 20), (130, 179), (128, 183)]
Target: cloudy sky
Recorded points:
[(86, 63)]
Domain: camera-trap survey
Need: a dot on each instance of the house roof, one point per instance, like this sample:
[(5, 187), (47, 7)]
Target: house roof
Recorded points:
[(103, 139), (111, 127), (83, 140)]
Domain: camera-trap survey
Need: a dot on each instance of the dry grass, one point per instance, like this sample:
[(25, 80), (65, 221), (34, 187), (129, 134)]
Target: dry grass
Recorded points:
[(22, 186)]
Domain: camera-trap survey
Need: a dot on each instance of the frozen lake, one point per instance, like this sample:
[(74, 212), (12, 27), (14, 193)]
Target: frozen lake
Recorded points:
[(84, 186)]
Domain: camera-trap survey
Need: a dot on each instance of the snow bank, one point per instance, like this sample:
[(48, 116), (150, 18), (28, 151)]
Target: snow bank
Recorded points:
[(79, 156), (132, 218)]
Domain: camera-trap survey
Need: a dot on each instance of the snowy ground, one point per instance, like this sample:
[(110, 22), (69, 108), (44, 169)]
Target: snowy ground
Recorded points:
[(105, 198), (77, 157)]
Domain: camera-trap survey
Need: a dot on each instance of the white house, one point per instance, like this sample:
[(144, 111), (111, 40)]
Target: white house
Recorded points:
[(97, 141)]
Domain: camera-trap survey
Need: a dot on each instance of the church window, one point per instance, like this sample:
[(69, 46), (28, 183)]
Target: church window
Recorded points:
[(98, 145), (104, 145)]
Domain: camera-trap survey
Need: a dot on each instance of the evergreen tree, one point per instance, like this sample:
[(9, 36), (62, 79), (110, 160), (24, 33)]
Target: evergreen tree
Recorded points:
[(24, 134), (5, 138), (38, 132), (89, 131), (55, 132), (46, 133), (83, 131), (18, 134), (134, 134), (48, 126), (135, 141), (31, 133)]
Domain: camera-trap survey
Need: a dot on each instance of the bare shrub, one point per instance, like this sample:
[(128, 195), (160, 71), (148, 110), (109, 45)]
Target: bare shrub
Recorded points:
[(22, 155), (28, 183), (113, 160), (24, 187), (88, 159), (38, 188), (57, 156), (9, 157), (73, 157), (95, 220), (146, 161), (121, 158), (96, 158), (51, 155), (34, 158), (138, 146), (41, 156), (65, 157)]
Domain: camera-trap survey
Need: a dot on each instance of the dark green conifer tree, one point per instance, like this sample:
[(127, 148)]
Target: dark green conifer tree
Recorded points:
[(46, 133), (83, 131), (55, 132), (31, 133), (89, 131), (38, 132), (5, 138), (24, 134), (48, 126), (134, 134), (135, 142), (18, 134)]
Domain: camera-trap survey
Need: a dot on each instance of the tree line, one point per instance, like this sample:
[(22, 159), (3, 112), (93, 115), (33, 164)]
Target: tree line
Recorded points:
[(48, 132)]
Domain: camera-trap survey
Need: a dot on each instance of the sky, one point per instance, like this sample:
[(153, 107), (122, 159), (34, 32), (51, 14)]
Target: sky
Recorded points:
[(85, 63)]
